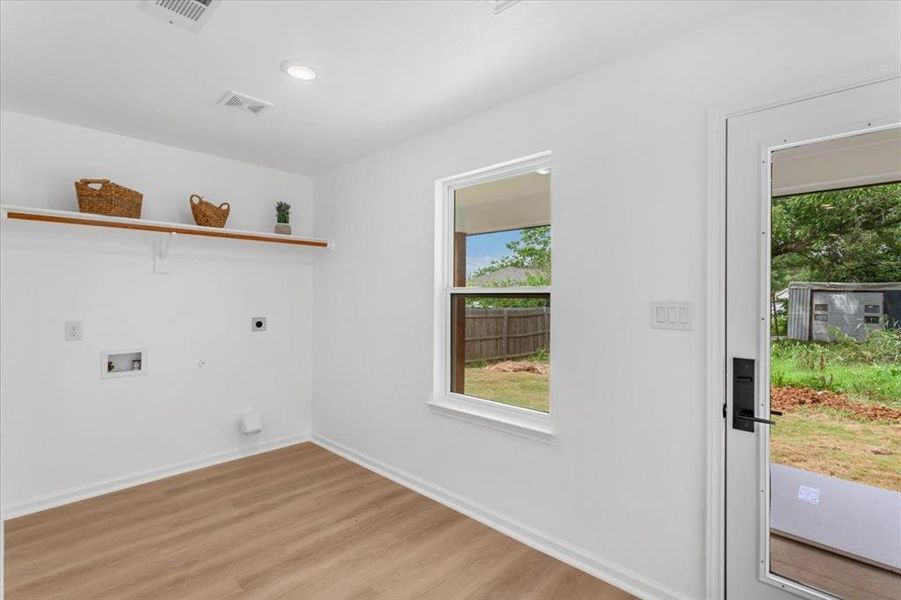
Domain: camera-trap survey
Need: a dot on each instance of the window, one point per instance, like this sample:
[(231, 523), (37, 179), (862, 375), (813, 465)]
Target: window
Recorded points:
[(872, 308), (821, 307), (871, 320), (493, 298)]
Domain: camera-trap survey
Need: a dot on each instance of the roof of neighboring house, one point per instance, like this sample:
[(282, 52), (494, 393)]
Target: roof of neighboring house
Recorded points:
[(505, 274), (846, 286)]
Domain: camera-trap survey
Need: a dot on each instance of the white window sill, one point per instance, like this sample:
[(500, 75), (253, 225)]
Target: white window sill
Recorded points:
[(529, 424)]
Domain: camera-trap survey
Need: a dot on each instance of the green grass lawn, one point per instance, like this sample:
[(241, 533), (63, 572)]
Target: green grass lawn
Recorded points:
[(528, 390), (824, 440), (879, 383), (868, 371)]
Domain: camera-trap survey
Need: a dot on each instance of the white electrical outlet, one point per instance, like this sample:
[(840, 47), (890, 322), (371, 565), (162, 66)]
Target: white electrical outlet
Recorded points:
[(74, 331)]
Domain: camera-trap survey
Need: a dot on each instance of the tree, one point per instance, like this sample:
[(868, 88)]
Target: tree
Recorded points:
[(844, 235), (532, 253), (851, 235)]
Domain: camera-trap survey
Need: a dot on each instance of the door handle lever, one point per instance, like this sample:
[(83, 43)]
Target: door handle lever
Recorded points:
[(750, 417)]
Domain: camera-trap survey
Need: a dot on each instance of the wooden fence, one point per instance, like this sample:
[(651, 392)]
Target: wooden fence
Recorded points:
[(503, 333)]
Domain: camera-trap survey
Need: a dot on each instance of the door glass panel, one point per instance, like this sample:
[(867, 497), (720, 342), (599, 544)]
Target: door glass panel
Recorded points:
[(835, 371)]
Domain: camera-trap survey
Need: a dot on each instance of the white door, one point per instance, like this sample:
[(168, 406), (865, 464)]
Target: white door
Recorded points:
[(751, 140)]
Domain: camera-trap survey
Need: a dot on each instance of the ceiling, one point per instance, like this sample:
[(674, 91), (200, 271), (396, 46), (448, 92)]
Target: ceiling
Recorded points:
[(387, 70)]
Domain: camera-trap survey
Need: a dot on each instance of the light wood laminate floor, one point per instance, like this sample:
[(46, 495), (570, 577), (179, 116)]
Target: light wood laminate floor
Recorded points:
[(298, 523)]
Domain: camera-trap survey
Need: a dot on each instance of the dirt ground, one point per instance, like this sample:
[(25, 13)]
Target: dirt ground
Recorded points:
[(790, 398), (519, 366), (829, 433)]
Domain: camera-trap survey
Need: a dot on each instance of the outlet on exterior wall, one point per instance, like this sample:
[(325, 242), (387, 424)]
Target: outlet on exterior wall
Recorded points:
[(74, 331)]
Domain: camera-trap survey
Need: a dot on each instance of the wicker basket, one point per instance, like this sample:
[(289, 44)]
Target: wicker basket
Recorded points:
[(108, 198), (208, 214)]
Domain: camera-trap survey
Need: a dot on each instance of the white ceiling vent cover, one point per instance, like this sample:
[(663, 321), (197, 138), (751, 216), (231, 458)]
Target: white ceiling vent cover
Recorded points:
[(187, 14), (233, 99), (497, 6)]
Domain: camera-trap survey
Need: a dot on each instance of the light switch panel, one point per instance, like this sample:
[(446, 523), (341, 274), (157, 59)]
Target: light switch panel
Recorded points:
[(672, 315)]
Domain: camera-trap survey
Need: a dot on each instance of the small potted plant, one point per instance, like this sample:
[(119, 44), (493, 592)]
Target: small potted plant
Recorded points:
[(282, 217)]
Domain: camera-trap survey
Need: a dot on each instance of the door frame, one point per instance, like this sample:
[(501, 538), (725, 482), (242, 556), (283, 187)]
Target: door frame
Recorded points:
[(715, 511)]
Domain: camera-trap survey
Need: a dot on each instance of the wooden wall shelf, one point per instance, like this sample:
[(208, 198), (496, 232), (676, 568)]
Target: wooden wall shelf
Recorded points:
[(19, 213)]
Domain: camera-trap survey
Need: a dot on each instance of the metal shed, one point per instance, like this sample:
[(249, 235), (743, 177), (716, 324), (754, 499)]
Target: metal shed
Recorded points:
[(815, 308)]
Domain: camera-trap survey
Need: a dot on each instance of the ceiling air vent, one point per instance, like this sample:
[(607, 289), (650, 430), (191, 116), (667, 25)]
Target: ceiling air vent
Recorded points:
[(244, 102), (187, 14), (497, 6)]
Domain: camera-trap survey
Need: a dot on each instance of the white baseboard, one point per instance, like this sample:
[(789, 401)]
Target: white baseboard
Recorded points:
[(82, 492), (614, 574)]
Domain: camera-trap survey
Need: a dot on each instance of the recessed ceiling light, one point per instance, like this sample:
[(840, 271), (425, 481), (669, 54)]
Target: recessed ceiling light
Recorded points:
[(544, 171), (298, 71)]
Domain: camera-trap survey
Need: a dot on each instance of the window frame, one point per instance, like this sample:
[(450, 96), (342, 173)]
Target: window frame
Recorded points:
[(516, 420)]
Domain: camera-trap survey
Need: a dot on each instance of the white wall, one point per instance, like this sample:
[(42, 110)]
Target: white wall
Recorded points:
[(65, 431), (624, 482)]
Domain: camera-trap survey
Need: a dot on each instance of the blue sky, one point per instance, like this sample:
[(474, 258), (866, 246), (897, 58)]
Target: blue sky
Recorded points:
[(483, 248)]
